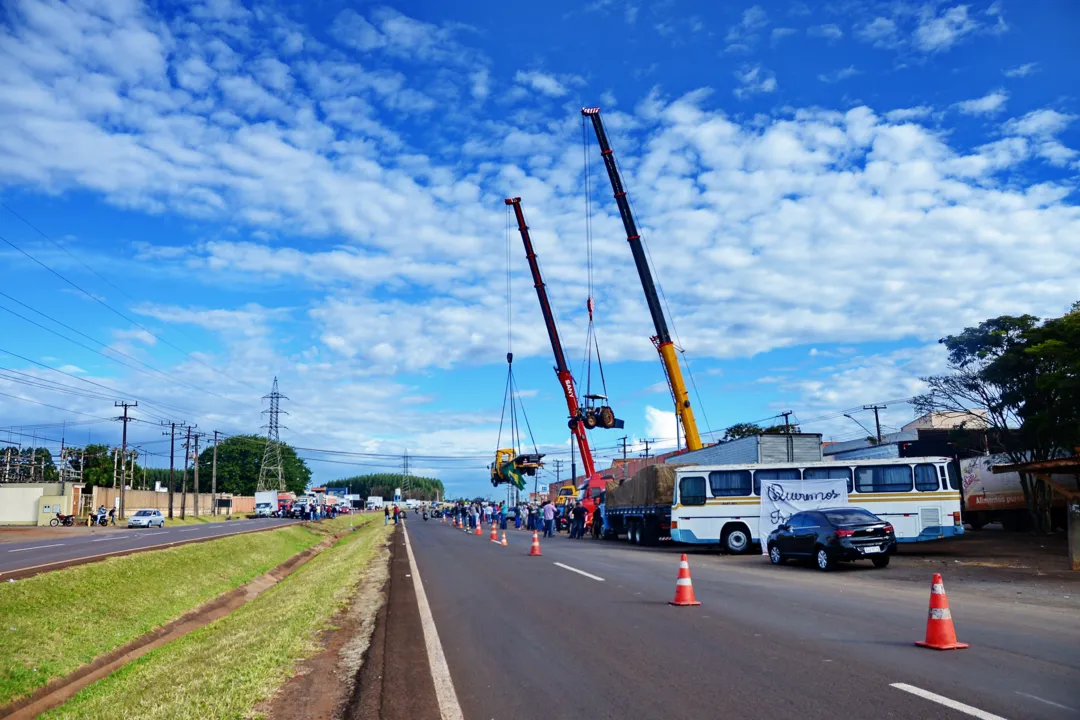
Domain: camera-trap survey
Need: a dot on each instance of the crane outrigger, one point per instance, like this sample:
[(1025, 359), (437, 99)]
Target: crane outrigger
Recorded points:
[(662, 340)]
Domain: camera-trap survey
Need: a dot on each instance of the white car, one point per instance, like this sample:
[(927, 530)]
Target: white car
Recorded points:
[(147, 519)]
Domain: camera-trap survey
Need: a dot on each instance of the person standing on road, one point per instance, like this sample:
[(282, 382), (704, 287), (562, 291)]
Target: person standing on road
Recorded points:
[(386, 515), (549, 519), (517, 517), (578, 515), (112, 515)]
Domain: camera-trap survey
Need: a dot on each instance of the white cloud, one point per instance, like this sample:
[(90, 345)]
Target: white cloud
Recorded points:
[(780, 33), (1041, 128), (1021, 70), (545, 83), (938, 32), (754, 79), (838, 75), (988, 104), (662, 427), (743, 35), (830, 32), (906, 114), (880, 32)]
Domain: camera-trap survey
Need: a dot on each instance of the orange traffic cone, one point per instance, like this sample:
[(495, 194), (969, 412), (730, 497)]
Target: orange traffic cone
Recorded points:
[(684, 586), (534, 551), (494, 537), (478, 533), (504, 539), (940, 633)]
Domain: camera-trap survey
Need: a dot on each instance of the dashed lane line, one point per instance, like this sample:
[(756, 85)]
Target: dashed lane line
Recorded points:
[(947, 702), (449, 708), (38, 547), (580, 572)]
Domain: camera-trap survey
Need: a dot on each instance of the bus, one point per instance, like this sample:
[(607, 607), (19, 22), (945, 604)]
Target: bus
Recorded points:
[(722, 504)]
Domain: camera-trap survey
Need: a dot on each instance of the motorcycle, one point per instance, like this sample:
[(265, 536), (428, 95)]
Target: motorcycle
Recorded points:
[(62, 519), (99, 519), (425, 517)]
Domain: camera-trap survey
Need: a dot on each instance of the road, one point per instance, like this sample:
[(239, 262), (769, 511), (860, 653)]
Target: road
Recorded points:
[(66, 546), (526, 638)]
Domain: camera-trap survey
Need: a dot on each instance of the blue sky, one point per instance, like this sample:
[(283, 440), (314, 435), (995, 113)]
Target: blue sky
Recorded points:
[(314, 191)]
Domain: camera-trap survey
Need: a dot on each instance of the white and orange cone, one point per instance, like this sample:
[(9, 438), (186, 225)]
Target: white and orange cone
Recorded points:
[(494, 537), (684, 586), (940, 633), (534, 551), (478, 533), (504, 543)]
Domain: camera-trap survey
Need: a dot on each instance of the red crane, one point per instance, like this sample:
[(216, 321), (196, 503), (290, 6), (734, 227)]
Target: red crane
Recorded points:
[(603, 415)]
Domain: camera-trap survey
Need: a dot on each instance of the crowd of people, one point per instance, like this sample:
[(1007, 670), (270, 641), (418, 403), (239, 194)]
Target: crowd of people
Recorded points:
[(546, 518)]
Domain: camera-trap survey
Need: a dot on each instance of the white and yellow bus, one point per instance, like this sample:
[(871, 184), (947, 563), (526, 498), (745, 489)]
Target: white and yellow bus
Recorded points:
[(721, 503)]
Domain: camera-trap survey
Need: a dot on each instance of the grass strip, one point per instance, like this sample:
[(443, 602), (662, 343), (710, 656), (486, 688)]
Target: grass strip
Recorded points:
[(226, 668), (52, 623)]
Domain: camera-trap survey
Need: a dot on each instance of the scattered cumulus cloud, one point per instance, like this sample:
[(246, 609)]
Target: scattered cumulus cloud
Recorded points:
[(830, 32), (1021, 70), (743, 35), (838, 75), (937, 32), (546, 84), (753, 80), (780, 33), (988, 104)]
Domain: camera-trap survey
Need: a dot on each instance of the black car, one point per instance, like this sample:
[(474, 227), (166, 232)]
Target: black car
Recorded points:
[(832, 535)]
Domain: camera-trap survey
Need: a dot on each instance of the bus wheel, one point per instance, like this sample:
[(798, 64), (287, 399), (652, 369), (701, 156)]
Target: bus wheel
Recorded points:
[(737, 540)]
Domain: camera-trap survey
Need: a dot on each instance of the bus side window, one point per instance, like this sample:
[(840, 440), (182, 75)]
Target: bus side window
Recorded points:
[(954, 476), (926, 477), (883, 478), (759, 475), (692, 491), (832, 473), (729, 483)]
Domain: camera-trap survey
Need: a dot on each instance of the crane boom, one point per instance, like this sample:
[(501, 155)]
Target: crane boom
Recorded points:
[(566, 379), (664, 344)]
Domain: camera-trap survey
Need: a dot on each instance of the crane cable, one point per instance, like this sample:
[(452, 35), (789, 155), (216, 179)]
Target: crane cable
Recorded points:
[(591, 340)]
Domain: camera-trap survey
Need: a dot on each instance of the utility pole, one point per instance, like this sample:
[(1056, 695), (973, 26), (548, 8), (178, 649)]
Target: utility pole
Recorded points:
[(646, 441), (622, 440), (196, 463), (877, 420), (213, 480), (125, 419), (183, 481), (787, 424), (558, 470), (172, 464)]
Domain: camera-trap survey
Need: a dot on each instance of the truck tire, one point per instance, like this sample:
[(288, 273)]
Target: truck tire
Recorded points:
[(976, 520), (737, 539)]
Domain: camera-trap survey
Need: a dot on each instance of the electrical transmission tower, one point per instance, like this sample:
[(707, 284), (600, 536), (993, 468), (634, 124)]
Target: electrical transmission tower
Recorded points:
[(271, 472)]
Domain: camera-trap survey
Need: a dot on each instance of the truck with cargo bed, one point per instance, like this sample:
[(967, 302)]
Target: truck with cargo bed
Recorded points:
[(266, 503), (640, 507)]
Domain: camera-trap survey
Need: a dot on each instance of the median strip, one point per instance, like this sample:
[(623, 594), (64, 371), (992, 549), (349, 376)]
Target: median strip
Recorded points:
[(126, 597)]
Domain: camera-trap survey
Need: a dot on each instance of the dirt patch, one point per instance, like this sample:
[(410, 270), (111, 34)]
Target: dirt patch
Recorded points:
[(323, 684), (395, 680), (62, 689)]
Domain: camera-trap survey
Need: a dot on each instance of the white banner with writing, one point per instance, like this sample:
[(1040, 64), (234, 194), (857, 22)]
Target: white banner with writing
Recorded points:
[(780, 499)]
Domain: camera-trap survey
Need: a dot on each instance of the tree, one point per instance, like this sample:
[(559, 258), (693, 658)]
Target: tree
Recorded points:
[(741, 430), (384, 484), (1018, 377), (238, 461)]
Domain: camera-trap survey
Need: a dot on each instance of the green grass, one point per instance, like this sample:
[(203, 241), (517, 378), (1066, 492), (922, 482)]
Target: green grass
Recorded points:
[(228, 667), (50, 624)]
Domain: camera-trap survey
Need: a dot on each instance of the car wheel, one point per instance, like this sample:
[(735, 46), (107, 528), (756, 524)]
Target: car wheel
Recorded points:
[(880, 562), (824, 562), (775, 556), (737, 541)]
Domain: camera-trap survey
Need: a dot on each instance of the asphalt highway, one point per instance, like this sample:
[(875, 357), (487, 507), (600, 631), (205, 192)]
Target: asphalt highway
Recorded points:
[(586, 631), (67, 546)]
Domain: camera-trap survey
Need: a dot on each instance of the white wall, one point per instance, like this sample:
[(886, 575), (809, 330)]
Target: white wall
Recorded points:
[(19, 505)]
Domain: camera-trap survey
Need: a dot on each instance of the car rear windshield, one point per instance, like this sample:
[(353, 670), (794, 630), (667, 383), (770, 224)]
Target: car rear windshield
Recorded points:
[(850, 516)]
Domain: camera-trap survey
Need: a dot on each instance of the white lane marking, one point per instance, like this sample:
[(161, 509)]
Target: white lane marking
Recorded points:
[(449, 708), (580, 572), (118, 537), (1044, 700), (39, 547), (942, 700), (189, 529)]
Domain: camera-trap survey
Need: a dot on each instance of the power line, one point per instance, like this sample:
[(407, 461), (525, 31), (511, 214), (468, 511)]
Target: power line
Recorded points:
[(102, 302)]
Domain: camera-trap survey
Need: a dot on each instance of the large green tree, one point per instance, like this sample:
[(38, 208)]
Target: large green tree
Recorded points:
[(239, 459), (1019, 377), (742, 430), (384, 484)]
